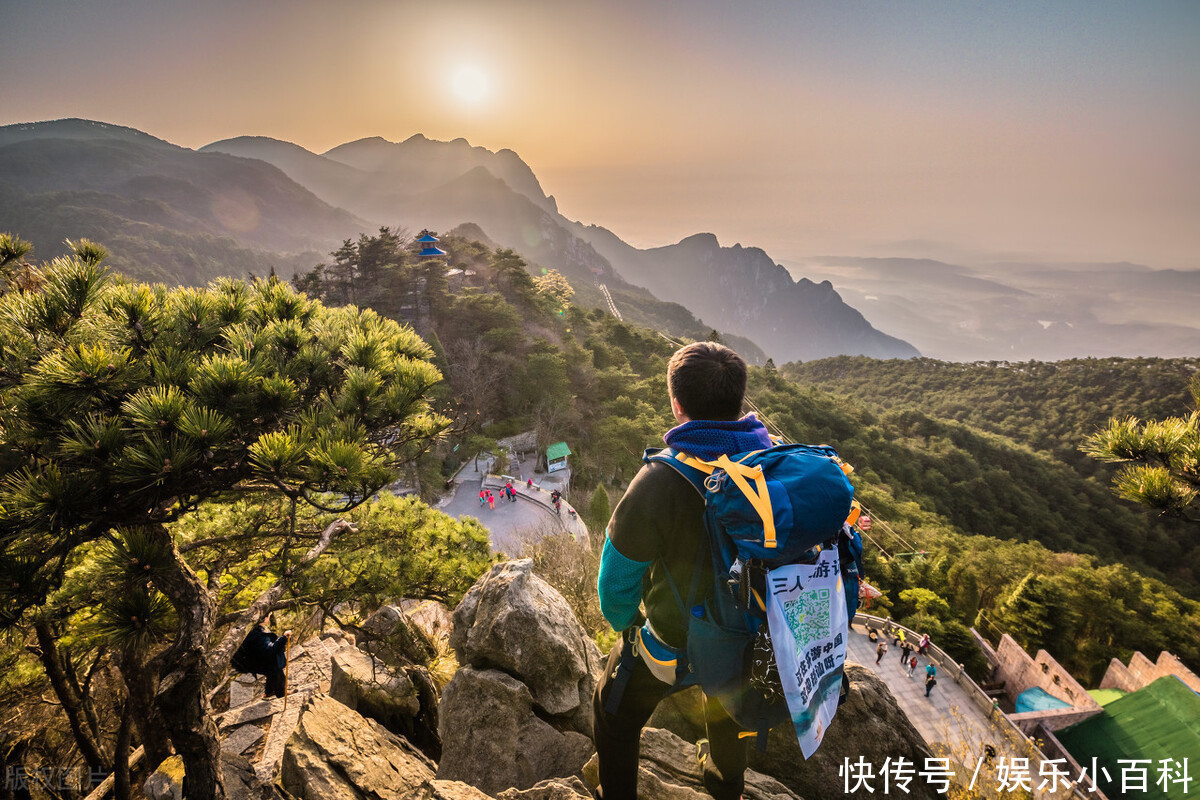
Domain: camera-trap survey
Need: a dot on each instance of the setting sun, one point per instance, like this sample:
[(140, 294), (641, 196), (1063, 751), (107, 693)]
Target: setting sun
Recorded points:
[(470, 84)]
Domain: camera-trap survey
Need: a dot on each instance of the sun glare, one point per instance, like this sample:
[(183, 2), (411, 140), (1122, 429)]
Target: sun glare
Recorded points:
[(470, 84)]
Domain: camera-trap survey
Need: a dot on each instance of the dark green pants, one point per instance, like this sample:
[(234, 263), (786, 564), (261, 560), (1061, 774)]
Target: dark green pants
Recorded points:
[(618, 735)]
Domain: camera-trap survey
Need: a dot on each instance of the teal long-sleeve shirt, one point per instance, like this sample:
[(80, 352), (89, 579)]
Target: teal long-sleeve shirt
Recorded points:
[(620, 586), (655, 532)]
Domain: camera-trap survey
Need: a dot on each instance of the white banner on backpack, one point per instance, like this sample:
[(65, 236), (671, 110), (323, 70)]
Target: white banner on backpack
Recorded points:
[(806, 615)]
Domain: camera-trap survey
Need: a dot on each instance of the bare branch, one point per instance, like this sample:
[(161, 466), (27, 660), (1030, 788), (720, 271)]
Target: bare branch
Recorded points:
[(224, 651)]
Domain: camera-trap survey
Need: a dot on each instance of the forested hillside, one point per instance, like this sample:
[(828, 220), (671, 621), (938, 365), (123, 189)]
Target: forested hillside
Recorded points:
[(1014, 536), (1027, 478), (1050, 406)]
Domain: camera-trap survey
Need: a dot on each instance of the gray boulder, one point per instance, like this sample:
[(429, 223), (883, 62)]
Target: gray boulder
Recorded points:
[(336, 754), (237, 774), (869, 724), (391, 635), (669, 770), (431, 617), (513, 621), (494, 740), (452, 790), (556, 789), (374, 690)]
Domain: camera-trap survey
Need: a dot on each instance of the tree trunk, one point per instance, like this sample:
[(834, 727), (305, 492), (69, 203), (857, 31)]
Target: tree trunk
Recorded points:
[(121, 756), (180, 697), (84, 690), (141, 683), (71, 703)]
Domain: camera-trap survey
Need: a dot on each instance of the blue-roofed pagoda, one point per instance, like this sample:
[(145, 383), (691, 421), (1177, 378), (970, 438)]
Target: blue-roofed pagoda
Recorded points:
[(429, 248)]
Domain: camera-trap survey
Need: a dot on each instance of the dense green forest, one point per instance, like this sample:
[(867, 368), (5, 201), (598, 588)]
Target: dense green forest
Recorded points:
[(1024, 425), (1049, 406), (114, 389)]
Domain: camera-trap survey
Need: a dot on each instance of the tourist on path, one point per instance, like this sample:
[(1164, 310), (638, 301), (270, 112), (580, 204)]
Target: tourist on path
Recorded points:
[(924, 644), (880, 649), (912, 666)]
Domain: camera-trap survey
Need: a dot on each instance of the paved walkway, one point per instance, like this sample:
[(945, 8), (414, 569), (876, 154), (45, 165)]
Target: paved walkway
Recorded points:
[(949, 719), (948, 716), (512, 524)]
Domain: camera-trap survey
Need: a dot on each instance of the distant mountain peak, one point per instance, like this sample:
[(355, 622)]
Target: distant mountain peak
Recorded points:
[(700, 240), (76, 128)]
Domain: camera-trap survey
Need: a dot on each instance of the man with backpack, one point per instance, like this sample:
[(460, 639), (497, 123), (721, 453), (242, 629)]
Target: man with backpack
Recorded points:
[(698, 522), (657, 530)]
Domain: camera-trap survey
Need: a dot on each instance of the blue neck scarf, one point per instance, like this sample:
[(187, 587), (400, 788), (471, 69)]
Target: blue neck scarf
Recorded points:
[(708, 439)]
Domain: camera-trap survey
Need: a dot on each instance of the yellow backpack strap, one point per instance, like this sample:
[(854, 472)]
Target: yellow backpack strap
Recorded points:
[(757, 494), (707, 467), (855, 512)]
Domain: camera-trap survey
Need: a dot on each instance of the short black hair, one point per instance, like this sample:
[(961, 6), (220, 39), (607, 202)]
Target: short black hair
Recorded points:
[(708, 380)]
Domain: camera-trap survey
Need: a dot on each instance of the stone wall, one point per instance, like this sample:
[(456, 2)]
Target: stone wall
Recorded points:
[(1054, 720), (1118, 676), (1141, 672), (1020, 672)]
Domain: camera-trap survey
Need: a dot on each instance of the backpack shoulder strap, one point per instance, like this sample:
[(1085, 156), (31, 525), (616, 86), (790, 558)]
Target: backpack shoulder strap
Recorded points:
[(693, 470)]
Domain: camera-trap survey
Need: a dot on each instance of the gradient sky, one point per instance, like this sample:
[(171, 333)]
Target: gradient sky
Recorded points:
[(1063, 130)]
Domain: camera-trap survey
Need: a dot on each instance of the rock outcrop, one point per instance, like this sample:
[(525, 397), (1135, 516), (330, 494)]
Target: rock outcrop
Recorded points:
[(515, 721), (336, 754), (513, 621), (869, 724), (669, 770), (556, 789), (387, 678), (167, 781), (493, 739), (431, 617), (519, 710)]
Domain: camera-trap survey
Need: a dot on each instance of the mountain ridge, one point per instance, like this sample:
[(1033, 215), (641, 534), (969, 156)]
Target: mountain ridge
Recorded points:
[(424, 183), (544, 235)]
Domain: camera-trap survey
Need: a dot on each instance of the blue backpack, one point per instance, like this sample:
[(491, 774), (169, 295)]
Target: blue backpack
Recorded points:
[(762, 509)]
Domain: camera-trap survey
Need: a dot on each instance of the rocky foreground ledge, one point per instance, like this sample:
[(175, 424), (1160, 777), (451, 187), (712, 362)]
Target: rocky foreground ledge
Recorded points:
[(514, 723)]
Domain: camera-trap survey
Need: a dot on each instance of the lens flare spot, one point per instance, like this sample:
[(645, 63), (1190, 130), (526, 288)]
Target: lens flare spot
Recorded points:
[(236, 210)]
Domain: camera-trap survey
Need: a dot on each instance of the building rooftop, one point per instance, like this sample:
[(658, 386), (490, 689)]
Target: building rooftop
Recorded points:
[(1161, 721)]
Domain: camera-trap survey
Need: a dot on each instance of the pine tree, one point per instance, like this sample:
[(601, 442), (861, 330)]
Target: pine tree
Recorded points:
[(127, 406)]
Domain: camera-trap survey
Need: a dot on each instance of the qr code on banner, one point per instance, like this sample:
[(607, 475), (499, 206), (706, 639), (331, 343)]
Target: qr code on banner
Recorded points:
[(808, 615)]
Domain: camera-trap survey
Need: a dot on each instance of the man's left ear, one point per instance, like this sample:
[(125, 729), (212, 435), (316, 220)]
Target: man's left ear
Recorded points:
[(677, 410)]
